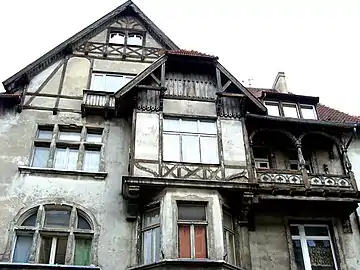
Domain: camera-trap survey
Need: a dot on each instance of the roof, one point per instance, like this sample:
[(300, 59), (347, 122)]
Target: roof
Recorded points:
[(190, 53), (66, 47), (325, 113)]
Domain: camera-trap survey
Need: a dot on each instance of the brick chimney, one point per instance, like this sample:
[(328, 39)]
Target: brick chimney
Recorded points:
[(280, 83)]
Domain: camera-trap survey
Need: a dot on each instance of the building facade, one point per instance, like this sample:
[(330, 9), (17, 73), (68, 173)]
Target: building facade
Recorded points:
[(122, 151)]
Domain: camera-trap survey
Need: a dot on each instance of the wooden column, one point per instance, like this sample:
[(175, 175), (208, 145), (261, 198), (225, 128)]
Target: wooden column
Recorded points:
[(302, 164)]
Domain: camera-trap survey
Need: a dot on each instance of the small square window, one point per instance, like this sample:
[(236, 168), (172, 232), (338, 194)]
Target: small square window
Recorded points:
[(272, 108), (290, 110), (94, 137), (41, 155), (44, 134), (70, 136), (91, 161)]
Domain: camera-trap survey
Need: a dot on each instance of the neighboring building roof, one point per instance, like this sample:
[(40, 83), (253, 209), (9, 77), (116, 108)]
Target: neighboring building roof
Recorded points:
[(190, 53), (66, 47), (325, 113)]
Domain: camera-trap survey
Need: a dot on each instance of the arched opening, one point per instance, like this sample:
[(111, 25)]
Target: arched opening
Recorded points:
[(274, 150), (134, 39), (117, 37), (321, 154)]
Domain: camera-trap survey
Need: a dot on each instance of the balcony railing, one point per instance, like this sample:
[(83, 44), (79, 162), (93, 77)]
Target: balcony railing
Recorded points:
[(98, 101)]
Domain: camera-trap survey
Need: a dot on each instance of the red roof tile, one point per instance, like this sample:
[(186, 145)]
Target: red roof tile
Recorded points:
[(190, 53), (325, 113)]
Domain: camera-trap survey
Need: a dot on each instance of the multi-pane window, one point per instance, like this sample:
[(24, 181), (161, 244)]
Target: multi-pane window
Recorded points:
[(125, 37), (292, 110), (109, 82), (229, 238), (151, 236), (67, 148), (192, 225), (186, 140), (65, 237), (313, 248)]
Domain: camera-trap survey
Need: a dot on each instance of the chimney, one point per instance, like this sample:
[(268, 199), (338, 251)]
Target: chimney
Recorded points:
[(280, 83)]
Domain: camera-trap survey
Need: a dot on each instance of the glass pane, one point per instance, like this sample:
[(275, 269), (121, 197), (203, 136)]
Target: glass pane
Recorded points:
[(93, 137), (294, 230), (147, 248), (207, 127), (117, 38), (290, 110), (273, 109), (308, 112), (171, 147), (189, 126), (231, 248), (22, 248), (171, 124), (30, 221), (82, 251), (191, 212), (316, 231), (320, 254), (114, 83), (134, 39), (190, 148), (57, 218), (209, 150), (83, 224), (151, 217), (45, 249), (44, 134), (60, 250), (69, 136), (60, 159), (298, 255), (98, 82), (72, 161), (227, 221), (91, 161), (156, 243), (41, 156)]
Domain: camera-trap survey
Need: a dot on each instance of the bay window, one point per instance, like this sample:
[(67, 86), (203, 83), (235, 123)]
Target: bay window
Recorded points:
[(186, 140)]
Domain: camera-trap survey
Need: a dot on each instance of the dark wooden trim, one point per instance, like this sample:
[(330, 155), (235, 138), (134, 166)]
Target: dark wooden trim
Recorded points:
[(155, 79), (150, 87), (226, 85), (88, 84), (162, 75), (224, 94), (50, 109), (54, 96), (248, 151), (96, 175), (218, 80), (202, 99), (55, 109), (109, 58), (45, 82), (199, 117), (132, 143)]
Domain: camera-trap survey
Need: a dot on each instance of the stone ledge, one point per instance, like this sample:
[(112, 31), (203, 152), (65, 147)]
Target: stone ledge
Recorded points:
[(187, 264), (95, 175), (34, 266)]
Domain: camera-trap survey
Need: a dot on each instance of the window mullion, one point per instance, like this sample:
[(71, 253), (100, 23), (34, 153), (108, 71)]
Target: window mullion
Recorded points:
[(192, 241), (52, 150), (304, 248), (53, 250), (200, 156)]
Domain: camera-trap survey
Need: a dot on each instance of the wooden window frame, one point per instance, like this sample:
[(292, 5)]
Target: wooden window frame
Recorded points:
[(192, 224), (126, 33), (298, 106), (198, 134), (55, 143), (107, 74), (303, 242), (148, 228), (313, 109), (229, 231)]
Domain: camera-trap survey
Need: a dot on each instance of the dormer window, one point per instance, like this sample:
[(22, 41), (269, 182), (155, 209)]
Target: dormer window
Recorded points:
[(308, 111), (290, 110), (135, 39), (117, 38), (293, 110), (273, 108)]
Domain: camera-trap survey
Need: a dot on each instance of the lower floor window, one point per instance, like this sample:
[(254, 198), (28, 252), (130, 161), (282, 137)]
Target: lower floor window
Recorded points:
[(53, 250), (151, 236), (313, 248)]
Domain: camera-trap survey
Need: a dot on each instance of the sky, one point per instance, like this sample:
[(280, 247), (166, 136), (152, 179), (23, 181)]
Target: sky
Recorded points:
[(316, 43)]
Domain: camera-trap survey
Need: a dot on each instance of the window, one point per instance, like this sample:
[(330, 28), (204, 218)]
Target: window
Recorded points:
[(190, 141), (261, 157), (308, 111), (192, 231), (109, 83), (117, 37), (151, 236), (53, 224), (272, 108), (313, 248), (134, 39), (229, 238), (290, 110), (66, 148)]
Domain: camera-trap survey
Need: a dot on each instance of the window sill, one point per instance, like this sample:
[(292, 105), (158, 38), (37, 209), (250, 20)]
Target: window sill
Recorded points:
[(187, 264), (35, 266), (95, 175)]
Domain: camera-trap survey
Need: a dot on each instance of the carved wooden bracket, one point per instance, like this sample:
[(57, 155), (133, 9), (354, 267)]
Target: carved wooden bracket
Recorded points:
[(245, 215)]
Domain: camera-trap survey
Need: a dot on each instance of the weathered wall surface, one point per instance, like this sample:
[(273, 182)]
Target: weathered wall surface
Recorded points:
[(101, 197), (192, 108)]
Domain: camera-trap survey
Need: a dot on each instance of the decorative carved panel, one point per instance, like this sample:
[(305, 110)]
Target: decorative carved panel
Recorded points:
[(279, 178), (335, 181), (179, 170)]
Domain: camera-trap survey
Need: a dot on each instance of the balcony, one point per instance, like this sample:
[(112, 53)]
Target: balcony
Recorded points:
[(95, 102)]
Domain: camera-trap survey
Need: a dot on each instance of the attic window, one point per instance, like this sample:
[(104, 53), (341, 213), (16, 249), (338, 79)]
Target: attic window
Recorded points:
[(134, 39), (117, 38), (308, 111), (272, 108)]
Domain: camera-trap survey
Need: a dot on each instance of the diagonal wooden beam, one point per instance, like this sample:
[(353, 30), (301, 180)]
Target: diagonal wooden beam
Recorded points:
[(155, 79), (226, 85)]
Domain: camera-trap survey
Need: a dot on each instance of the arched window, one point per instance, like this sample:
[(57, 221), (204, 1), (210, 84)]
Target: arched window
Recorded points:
[(117, 38), (134, 39), (53, 234)]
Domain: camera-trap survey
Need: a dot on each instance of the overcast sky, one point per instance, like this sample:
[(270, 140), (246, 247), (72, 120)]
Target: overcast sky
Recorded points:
[(316, 43)]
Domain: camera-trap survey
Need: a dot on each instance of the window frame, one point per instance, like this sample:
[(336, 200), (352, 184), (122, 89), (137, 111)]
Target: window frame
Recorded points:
[(192, 224), (107, 74), (299, 106), (180, 134), (313, 110), (126, 33), (145, 229), (54, 143), (273, 103), (303, 238), (292, 105), (40, 230), (229, 231)]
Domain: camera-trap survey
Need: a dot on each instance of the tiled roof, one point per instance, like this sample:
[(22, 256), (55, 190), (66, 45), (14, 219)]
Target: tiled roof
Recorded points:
[(325, 113), (190, 53)]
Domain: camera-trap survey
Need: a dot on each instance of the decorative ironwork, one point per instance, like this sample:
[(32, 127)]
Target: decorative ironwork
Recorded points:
[(279, 178), (331, 181)]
